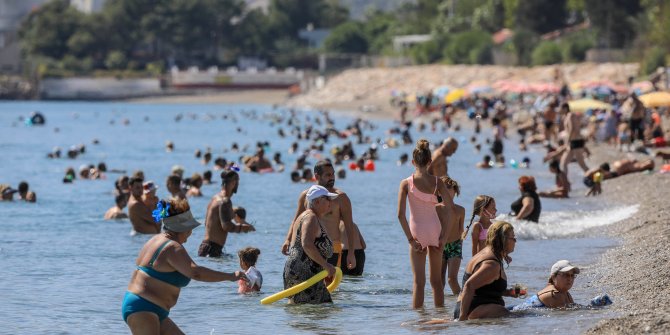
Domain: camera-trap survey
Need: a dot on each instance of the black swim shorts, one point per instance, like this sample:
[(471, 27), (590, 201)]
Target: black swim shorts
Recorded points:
[(360, 263), (210, 249)]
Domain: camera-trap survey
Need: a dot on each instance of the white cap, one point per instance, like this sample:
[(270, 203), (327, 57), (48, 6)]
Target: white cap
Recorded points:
[(563, 266), (317, 191)]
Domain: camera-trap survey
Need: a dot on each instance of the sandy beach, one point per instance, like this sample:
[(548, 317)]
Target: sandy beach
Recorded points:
[(635, 274)]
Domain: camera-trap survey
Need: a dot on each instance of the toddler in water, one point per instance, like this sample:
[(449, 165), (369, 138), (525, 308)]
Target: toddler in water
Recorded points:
[(248, 257)]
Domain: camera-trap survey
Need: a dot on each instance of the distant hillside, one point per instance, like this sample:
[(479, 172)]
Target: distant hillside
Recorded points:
[(357, 8)]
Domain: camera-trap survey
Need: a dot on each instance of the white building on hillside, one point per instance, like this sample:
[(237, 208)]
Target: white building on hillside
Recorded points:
[(88, 6)]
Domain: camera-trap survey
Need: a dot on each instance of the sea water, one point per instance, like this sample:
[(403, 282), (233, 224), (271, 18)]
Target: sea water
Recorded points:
[(65, 270)]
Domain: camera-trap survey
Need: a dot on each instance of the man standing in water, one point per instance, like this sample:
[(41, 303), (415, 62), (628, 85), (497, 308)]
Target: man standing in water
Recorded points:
[(340, 211), (438, 166), (219, 217), (138, 212), (576, 143)]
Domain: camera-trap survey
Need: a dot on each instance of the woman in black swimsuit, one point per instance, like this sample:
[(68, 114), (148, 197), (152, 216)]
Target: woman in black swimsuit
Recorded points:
[(528, 206), (484, 280)]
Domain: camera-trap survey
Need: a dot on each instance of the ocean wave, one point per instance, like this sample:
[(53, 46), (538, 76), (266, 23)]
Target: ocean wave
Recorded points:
[(559, 224)]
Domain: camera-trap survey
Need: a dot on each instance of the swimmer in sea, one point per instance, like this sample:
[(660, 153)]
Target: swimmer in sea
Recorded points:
[(207, 177), (7, 192), (116, 212), (248, 258), (340, 210), (195, 184), (173, 185), (438, 165), (149, 197), (219, 217), (485, 208), (425, 232), (556, 294), (138, 212), (453, 249), (562, 183), (25, 194), (486, 163)]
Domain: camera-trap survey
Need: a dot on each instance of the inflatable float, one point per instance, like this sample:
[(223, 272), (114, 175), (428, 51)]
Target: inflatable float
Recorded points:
[(305, 285)]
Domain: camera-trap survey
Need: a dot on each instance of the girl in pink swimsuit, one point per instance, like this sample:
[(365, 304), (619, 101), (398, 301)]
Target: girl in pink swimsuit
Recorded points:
[(485, 208), (424, 231)]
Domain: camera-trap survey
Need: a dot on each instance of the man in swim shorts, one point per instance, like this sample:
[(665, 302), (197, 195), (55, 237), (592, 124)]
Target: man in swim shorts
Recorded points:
[(452, 253), (340, 211), (219, 217), (576, 143)]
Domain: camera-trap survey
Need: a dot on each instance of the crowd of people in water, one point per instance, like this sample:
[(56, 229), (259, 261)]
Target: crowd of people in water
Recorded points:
[(323, 234)]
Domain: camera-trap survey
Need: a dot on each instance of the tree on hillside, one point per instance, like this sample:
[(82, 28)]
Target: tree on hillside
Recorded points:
[(46, 31), (614, 21), (541, 16), (379, 28), (347, 38), (287, 17), (485, 15), (251, 36)]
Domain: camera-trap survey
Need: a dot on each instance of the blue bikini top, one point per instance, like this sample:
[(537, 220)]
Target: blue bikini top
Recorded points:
[(174, 278)]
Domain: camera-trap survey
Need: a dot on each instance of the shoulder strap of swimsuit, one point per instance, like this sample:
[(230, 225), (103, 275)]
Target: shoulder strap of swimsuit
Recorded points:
[(488, 259), (297, 233), (157, 252)]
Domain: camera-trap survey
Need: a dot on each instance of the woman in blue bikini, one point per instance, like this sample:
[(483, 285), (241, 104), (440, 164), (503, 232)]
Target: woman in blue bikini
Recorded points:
[(163, 268)]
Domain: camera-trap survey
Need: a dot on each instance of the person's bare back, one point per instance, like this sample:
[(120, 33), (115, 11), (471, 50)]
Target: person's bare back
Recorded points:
[(454, 217), (115, 213)]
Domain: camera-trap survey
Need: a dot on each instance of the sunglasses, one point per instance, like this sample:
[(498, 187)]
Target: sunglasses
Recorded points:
[(512, 238), (568, 275)]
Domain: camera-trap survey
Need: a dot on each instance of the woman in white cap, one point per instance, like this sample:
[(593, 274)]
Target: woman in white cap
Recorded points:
[(556, 294), (310, 248), (163, 268)]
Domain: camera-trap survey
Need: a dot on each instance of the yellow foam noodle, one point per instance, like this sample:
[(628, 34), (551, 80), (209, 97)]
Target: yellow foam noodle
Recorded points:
[(305, 285)]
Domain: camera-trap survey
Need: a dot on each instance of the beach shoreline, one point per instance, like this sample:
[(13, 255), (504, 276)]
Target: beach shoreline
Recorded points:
[(631, 287), (631, 273), (635, 273)]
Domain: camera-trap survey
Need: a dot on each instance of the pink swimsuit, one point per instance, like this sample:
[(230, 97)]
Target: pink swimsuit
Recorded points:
[(482, 232), (423, 221)]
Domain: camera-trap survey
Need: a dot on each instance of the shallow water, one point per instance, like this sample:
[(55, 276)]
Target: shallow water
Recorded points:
[(65, 270)]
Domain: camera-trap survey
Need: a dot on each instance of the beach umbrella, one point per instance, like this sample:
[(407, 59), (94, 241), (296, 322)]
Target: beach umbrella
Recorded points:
[(582, 105), (545, 88), (411, 98), (455, 95), (602, 90), (642, 87), (480, 89), (656, 99)]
